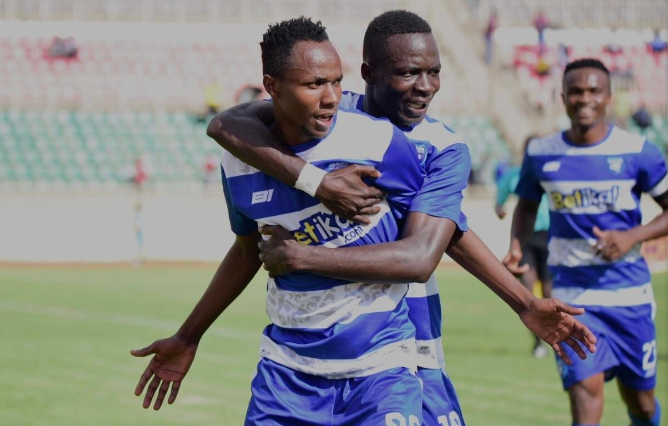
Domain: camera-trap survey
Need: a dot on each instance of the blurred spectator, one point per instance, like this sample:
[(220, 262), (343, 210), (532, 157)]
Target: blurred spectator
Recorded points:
[(489, 36), (642, 118), (213, 98), (141, 174), (621, 107), (63, 48), (540, 23), (658, 44), (212, 169), (543, 67)]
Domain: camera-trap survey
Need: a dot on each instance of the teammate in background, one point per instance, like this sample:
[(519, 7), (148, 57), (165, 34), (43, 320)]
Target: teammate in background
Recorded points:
[(401, 68), (534, 252), (338, 352), (594, 174)]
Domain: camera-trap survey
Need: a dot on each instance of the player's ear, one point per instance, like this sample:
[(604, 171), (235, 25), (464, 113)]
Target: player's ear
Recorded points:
[(270, 85), (367, 72)]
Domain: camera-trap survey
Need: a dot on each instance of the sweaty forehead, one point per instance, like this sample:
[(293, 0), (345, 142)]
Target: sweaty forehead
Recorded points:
[(412, 47), (318, 58), (587, 77)]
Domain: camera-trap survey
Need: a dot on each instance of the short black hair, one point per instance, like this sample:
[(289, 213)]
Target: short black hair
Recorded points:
[(388, 24), (586, 63), (280, 38)]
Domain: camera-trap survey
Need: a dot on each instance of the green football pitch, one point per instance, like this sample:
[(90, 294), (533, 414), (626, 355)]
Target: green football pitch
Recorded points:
[(66, 333)]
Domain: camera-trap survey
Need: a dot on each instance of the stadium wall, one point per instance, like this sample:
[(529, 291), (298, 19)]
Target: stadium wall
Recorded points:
[(181, 227)]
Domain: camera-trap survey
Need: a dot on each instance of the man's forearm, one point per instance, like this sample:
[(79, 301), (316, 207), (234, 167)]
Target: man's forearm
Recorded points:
[(524, 219), (657, 228), (469, 251), (249, 139), (233, 275), (411, 259)]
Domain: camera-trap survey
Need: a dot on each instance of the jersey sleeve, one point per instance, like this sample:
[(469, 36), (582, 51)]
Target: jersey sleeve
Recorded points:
[(652, 176), (447, 174), (240, 224), (401, 173), (528, 185)]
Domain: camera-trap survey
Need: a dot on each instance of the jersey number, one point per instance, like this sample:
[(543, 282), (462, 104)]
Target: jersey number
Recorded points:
[(398, 419), (454, 420), (649, 356)]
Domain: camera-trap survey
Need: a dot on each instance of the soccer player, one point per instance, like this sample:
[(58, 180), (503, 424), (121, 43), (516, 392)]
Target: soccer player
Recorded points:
[(401, 68), (534, 252), (338, 352), (594, 174)]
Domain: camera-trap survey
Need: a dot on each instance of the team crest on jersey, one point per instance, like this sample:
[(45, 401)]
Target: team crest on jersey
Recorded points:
[(586, 197), (336, 166), (322, 227), (616, 164)]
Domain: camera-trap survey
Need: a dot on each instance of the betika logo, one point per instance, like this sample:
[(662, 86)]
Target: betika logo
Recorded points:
[(586, 197), (322, 227)]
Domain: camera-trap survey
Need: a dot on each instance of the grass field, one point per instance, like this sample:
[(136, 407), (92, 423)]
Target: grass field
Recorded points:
[(65, 336)]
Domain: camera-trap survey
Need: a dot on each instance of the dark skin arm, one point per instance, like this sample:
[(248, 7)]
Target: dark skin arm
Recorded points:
[(524, 219), (174, 355), (549, 319), (243, 131), (425, 238), (614, 244)]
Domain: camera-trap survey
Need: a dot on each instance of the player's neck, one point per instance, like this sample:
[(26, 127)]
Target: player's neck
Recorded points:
[(588, 135), (288, 134)]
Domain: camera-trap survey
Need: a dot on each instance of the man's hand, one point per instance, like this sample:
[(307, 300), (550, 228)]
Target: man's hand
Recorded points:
[(280, 253), (512, 262), (172, 360), (613, 244), (345, 194), (552, 321)]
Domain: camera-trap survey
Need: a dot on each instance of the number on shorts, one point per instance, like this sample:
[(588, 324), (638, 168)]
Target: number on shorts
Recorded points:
[(398, 419), (454, 419), (649, 356)]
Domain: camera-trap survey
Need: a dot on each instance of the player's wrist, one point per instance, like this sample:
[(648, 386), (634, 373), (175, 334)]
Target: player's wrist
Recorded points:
[(309, 179)]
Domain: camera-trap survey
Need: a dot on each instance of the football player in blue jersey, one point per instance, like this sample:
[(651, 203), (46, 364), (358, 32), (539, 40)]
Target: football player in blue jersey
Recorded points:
[(338, 352), (401, 67), (594, 174)]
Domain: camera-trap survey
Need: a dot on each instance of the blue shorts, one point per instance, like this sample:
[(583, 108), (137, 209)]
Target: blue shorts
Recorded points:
[(440, 405), (285, 397), (626, 347)]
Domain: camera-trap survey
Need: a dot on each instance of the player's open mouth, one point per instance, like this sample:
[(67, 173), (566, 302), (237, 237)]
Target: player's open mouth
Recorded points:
[(416, 107), (324, 121)]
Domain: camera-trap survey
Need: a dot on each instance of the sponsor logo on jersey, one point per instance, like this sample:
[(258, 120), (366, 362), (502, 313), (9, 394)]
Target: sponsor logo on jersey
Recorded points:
[(337, 165), (586, 197), (616, 164), (262, 196), (322, 227), (552, 166)]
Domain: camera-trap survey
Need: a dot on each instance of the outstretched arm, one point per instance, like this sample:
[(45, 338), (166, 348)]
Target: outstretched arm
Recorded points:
[(174, 355), (410, 259), (243, 131), (549, 319)]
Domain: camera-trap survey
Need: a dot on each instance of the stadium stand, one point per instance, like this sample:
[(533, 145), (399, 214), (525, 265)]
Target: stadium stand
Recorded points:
[(97, 150)]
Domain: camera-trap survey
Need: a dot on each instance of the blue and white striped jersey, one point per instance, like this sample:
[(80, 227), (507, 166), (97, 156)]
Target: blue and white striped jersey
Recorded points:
[(320, 325), (447, 163), (598, 185)]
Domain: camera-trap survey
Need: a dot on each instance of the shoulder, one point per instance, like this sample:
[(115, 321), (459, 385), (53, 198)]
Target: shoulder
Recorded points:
[(436, 133), (350, 100), (552, 144), (233, 167)]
